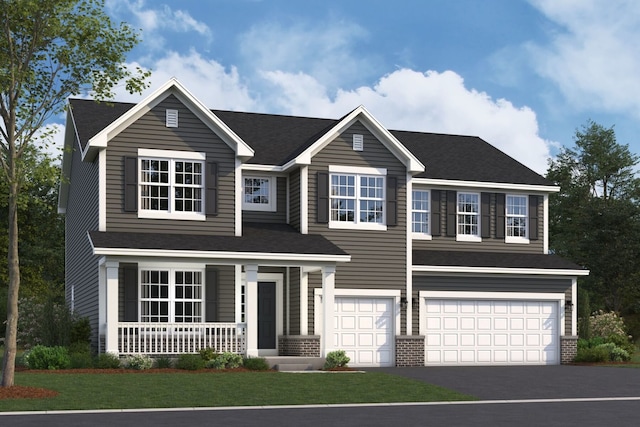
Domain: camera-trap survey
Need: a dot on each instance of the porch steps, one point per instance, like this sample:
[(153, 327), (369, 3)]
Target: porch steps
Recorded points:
[(295, 363)]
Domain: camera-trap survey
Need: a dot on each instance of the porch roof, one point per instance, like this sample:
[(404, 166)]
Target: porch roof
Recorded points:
[(259, 241), (494, 262)]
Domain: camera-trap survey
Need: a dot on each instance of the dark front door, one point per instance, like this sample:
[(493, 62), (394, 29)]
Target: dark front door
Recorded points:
[(266, 315)]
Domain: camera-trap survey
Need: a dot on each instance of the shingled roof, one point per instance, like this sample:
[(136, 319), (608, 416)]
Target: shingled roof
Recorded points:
[(492, 260), (276, 139)]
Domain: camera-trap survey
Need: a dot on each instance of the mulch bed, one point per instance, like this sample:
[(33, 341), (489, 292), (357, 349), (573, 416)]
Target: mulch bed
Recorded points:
[(21, 392)]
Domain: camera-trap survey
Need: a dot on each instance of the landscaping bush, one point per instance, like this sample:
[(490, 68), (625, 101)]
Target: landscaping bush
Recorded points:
[(604, 324), (623, 342), (225, 361), (42, 357), (81, 360), (256, 364), (208, 354), (615, 353), (108, 361), (49, 324), (190, 362), (592, 355), (164, 363), (336, 359), (139, 362)]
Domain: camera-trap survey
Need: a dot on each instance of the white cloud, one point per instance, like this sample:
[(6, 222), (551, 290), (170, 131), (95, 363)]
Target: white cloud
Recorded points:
[(156, 22), (428, 102), (593, 55), (325, 50)]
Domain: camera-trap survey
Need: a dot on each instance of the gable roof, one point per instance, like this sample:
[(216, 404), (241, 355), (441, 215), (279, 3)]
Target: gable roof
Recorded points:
[(279, 140)]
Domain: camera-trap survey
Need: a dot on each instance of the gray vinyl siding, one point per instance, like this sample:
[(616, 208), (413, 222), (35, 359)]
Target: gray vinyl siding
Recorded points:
[(491, 244), (280, 215), (192, 135), (81, 266), (294, 301), (378, 258), (294, 199), (493, 284)]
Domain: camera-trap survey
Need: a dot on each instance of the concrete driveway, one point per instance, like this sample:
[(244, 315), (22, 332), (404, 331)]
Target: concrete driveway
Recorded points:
[(529, 382)]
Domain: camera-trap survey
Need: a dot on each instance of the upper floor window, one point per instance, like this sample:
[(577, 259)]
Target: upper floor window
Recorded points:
[(171, 296), (357, 198), (516, 212), (171, 187), (468, 214), (259, 193), (420, 213)]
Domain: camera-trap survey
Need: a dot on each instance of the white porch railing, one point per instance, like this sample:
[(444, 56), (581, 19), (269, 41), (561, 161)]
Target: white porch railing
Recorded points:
[(178, 338)]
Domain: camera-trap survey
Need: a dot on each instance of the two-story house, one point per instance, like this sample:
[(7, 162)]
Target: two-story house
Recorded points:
[(275, 235)]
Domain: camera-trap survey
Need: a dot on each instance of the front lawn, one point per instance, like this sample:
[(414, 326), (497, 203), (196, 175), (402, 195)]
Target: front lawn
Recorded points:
[(207, 389)]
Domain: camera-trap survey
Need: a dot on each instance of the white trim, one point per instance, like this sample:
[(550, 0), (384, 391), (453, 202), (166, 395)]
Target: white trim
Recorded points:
[(287, 195), (172, 154), (304, 302), (486, 185), (262, 168), (238, 199), (358, 170), (409, 255), (497, 270), (187, 216), (469, 237), (279, 281), (102, 190), (420, 236), (340, 225), (545, 237), (574, 307), (272, 206), (460, 237), (304, 199), (238, 283)]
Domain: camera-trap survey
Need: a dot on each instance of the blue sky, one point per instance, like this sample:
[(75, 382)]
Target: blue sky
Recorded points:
[(522, 75)]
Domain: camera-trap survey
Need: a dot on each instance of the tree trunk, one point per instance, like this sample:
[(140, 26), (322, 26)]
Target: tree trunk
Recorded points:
[(10, 344)]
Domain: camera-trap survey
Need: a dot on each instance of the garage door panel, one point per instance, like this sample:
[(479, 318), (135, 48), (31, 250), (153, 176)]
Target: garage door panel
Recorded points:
[(491, 332), (364, 329)]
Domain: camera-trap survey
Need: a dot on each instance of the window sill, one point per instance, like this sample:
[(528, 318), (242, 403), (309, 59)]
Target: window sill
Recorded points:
[(421, 236), (360, 226), (168, 215), (517, 240), (258, 208), (468, 238)]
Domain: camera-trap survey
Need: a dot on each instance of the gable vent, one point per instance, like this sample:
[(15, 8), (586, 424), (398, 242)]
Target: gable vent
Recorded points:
[(358, 142), (172, 118)]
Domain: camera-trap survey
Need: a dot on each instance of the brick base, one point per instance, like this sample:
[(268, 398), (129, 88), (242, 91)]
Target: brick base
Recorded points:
[(299, 345), (568, 349), (410, 350)]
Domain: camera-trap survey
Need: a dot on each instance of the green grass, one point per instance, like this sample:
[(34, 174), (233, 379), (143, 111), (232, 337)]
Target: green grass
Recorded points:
[(175, 390)]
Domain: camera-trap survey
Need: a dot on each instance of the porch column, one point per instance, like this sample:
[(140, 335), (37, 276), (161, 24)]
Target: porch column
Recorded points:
[(111, 336), (251, 295), (328, 309)]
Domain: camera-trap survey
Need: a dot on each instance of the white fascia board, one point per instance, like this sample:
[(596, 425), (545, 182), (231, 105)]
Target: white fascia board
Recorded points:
[(408, 159), (480, 184), (172, 86), (235, 256), (262, 168), (546, 296), (497, 270), (70, 136)]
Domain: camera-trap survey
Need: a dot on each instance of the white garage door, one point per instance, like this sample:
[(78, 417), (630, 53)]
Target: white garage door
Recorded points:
[(478, 332), (364, 330)]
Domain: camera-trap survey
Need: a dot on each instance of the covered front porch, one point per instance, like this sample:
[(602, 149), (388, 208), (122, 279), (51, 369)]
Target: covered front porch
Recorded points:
[(181, 301)]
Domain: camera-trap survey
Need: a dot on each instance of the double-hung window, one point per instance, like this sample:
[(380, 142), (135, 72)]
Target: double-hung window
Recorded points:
[(171, 184), (171, 296), (357, 198), (468, 214), (420, 214), (259, 193), (516, 210)]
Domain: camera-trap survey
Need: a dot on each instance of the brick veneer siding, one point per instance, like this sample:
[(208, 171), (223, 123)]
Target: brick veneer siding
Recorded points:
[(299, 345), (568, 349), (410, 350)]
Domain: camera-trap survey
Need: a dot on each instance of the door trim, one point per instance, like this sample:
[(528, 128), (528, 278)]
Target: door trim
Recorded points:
[(279, 281)]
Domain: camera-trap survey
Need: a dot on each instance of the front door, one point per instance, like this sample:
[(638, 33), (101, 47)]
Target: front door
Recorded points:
[(266, 315)]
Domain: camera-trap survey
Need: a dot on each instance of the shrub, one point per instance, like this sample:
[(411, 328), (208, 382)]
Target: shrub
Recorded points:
[(623, 342), (336, 359), (208, 354), (256, 364), (603, 324), (225, 361), (614, 353), (42, 357), (80, 331), (139, 362), (164, 363), (592, 355), (108, 361), (190, 362), (81, 360)]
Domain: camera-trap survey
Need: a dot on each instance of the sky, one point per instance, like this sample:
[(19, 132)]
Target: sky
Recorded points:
[(522, 75)]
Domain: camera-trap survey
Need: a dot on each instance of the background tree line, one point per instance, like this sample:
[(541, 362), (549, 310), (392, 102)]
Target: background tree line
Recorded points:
[(595, 221)]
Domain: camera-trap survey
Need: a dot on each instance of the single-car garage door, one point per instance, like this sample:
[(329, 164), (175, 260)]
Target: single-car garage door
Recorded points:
[(491, 332), (364, 330)]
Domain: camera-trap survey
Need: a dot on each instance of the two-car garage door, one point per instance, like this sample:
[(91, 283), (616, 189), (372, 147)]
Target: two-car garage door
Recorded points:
[(491, 332)]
